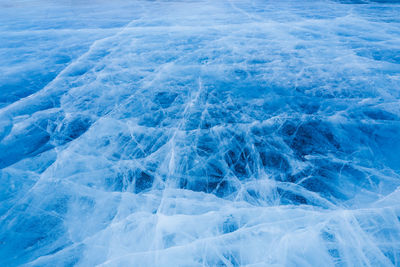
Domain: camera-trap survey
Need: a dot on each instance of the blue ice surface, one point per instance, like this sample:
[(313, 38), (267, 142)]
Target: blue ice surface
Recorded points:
[(200, 133)]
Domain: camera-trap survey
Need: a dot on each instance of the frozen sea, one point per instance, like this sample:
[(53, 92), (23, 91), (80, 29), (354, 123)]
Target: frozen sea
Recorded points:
[(200, 133)]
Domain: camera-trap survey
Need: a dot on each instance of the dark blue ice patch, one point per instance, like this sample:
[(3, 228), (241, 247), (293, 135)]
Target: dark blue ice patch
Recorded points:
[(165, 99), (206, 145), (288, 197), (310, 137), (143, 181), (274, 160), (72, 128)]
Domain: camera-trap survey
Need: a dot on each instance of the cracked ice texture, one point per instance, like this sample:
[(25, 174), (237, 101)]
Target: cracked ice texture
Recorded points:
[(200, 133)]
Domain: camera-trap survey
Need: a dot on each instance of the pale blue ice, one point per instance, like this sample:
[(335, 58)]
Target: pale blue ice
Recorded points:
[(199, 133)]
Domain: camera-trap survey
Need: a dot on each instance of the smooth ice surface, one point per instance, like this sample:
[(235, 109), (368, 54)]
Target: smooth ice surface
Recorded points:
[(200, 133)]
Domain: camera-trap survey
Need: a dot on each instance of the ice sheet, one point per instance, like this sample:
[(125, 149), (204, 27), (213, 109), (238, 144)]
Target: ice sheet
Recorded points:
[(200, 133)]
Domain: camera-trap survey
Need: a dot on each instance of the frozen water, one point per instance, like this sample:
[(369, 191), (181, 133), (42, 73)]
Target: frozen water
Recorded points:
[(200, 133)]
